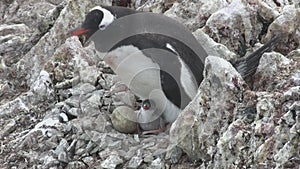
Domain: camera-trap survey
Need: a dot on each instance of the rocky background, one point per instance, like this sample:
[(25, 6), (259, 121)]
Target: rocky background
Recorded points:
[(56, 102)]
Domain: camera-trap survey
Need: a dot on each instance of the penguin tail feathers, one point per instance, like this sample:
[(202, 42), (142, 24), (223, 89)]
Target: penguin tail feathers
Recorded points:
[(246, 66)]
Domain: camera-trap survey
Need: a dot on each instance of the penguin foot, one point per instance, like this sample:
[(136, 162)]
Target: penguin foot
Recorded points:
[(157, 131)]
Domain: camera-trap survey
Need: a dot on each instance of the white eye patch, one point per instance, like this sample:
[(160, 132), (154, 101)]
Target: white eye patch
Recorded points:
[(107, 19)]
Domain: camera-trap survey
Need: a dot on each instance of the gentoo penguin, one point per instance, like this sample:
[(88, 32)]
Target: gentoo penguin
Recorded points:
[(157, 58)]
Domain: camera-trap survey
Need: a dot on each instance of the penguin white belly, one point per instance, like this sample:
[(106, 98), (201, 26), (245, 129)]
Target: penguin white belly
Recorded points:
[(137, 71)]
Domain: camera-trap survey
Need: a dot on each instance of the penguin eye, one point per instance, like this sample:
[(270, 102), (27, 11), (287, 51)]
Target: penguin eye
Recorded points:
[(101, 26), (146, 105)]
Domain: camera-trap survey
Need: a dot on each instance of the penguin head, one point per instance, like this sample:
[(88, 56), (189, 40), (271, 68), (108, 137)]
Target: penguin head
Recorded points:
[(148, 111), (148, 105), (98, 18)]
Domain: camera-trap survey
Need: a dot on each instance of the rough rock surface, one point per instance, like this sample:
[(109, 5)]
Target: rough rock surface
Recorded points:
[(57, 99)]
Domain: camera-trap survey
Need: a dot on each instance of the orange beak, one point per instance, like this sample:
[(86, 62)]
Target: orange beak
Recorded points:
[(79, 31)]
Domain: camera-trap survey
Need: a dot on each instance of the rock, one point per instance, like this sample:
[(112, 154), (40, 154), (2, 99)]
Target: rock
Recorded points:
[(286, 24), (46, 47), (207, 8), (75, 164), (5, 90), (124, 3), (88, 123), (91, 147), (13, 38), (88, 160), (135, 162), (122, 95), (234, 22), (123, 119), (173, 154), (10, 127), (74, 112), (267, 12), (185, 12), (148, 158), (130, 153), (43, 88), (155, 6), (62, 157), (293, 92), (63, 144), (272, 65), (194, 14), (50, 161), (238, 132), (112, 161), (156, 164), (90, 103), (211, 47), (223, 86)]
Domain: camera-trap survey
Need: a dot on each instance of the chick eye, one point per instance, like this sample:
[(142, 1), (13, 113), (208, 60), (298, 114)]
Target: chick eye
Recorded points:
[(146, 105)]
